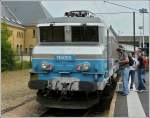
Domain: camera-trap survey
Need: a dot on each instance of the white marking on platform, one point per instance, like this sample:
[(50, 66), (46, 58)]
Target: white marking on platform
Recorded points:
[(135, 108)]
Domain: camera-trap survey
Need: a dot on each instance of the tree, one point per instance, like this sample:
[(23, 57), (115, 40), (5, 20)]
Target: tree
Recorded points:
[(7, 57)]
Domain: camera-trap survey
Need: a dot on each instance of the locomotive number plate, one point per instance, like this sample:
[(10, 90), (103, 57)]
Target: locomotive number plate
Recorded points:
[(64, 57)]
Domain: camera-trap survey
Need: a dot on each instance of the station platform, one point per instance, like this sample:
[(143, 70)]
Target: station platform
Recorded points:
[(135, 104)]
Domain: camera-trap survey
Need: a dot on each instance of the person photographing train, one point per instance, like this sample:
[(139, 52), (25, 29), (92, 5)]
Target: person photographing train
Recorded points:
[(124, 67)]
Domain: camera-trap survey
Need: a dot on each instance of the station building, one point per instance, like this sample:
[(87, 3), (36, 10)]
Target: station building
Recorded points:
[(128, 40), (21, 18)]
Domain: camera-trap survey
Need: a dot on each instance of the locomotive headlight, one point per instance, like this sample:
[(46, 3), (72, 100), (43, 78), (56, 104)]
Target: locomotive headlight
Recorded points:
[(46, 67), (78, 67), (43, 66), (83, 67), (86, 67)]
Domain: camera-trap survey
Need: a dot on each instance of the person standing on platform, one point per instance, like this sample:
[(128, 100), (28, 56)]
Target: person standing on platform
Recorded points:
[(140, 71), (124, 67), (145, 61), (132, 65)]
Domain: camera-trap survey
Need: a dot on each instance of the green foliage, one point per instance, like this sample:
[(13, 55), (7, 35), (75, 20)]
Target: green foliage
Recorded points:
[(23, 65), (7, 57)]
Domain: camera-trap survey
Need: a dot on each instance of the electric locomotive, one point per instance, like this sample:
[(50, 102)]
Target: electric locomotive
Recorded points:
[(74, 62)]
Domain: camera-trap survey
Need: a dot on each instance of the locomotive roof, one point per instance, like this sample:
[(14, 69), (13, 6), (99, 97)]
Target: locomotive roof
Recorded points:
[(81, 20), (73, 20)]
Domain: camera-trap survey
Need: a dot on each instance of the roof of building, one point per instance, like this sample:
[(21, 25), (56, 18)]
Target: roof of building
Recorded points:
[(28, 12), (130, 38), (8, 16)]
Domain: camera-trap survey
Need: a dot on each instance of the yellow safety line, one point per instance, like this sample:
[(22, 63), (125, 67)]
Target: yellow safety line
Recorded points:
[(112, 106)]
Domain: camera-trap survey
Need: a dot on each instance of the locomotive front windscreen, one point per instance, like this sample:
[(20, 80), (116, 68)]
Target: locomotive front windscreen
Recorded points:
[(76, 34), (85, 34), (52, 34)]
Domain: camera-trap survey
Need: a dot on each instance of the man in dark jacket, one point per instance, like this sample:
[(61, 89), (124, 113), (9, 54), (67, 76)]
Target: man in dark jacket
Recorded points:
[(124, 67)]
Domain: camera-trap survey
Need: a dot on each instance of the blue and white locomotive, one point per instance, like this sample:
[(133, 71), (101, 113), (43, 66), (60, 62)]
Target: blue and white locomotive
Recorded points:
[(74, 62)]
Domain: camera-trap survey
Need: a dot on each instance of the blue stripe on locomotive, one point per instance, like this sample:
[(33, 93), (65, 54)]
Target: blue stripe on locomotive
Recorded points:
[(69, 67)]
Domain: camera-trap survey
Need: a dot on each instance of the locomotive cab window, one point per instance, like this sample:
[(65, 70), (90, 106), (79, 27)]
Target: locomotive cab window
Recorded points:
[(52, 34), (85, 34)]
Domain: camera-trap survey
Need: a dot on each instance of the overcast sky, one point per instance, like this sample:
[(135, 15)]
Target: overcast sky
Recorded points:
[(122, 23)]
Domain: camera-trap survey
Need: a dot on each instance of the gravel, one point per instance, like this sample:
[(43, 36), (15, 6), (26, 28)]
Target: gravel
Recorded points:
[(14, 89)]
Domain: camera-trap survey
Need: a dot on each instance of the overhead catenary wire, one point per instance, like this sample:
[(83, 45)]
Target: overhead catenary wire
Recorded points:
[(121, 5), (133, 17), (124, 7), (135, 10), (114, 12)]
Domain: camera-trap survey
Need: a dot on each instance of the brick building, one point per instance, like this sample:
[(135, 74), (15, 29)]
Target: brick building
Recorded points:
[(21, 18)]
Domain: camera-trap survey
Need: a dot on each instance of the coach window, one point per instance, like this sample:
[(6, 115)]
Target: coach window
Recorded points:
[(52, 34), (84, 33)]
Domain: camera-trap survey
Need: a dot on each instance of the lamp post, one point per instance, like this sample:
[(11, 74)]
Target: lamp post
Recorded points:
[(140, 28), (143, 10), (134, 29)]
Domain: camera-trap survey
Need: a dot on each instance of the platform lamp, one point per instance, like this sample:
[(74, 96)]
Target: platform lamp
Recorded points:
[(140, 39), (143, 10)]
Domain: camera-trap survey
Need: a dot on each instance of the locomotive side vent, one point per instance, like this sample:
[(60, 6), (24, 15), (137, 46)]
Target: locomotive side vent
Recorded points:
[(81, 13)]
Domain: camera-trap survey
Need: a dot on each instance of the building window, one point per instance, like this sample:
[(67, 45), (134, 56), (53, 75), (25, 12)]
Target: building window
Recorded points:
[(21, 49), (33, 33), (26, 50), (17, 34), (17, 49), (20, 34)]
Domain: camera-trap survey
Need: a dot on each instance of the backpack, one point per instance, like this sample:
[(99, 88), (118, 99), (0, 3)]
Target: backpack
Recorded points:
[(131, 61)]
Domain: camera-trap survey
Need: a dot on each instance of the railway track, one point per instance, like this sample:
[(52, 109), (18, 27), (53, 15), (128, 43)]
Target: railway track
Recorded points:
[(100, 110), (33, 109), (95, 111)]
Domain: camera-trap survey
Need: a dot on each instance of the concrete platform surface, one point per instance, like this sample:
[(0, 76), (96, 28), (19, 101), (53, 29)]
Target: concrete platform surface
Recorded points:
[(135, 104)]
